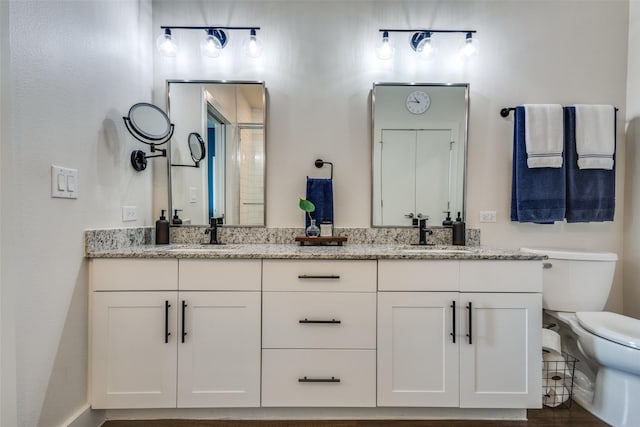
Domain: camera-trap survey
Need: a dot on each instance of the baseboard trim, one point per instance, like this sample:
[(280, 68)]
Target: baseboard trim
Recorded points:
[(318, 414), (85, 417)]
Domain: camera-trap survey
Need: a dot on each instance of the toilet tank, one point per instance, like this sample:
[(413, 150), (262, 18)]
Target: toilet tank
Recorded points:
[(576, 280)]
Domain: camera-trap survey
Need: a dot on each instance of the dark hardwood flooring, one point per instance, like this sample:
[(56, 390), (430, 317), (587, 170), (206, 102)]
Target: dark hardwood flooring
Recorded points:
[(547, 417)]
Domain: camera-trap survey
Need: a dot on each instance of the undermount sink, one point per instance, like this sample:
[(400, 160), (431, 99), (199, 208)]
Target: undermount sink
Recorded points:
[(196, 248), (428, 250)]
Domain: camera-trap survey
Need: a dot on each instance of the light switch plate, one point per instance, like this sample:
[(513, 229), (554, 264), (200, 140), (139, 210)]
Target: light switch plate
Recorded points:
[(64, 182), (129, 213), (488, 216)]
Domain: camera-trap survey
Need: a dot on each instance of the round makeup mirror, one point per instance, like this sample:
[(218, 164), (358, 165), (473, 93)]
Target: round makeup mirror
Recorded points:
[(149, 123), (196, 150), (196, 147)]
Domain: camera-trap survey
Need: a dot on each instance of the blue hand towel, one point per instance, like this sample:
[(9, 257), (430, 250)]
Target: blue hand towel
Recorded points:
[(590, 192), (537, 194), (320, 193)]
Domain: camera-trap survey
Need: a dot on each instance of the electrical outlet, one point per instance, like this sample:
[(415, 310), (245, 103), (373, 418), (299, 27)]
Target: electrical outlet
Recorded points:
[(487, 216), (129, 213)]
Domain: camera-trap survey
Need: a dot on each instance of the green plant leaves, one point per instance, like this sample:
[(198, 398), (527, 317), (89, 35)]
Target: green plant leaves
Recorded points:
[(306, 205)]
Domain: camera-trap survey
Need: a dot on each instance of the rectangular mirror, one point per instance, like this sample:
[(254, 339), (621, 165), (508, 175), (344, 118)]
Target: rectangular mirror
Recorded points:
[(419, 152), (229, 181)]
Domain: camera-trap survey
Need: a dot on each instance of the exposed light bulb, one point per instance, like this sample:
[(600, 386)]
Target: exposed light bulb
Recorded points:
[(470, 47), (385, 50), (211, 46), (165, 44), (422, 44), (252, 47)]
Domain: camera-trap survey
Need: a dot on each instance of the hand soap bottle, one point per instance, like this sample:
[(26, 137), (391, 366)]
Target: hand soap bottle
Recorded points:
[(162, 230), (459, 231), (176, 219), (447, 221)]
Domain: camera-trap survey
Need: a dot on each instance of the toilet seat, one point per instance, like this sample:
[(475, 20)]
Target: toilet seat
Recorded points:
[(614, 327)]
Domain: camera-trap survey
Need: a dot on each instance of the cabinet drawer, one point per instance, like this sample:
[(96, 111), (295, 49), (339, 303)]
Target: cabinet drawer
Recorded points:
[(117, 274), (319, 320), (333, 378), (418, 275), (220, 275), (319, 275), (501, 276)]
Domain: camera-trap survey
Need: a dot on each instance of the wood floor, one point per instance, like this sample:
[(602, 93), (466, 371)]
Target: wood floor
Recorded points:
[(573, 417)]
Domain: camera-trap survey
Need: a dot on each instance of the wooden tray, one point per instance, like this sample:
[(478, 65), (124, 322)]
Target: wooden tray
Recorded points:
[(319, 241)]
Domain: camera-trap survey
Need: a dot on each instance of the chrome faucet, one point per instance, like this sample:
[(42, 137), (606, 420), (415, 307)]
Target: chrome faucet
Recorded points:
[(423, 232), (213, 231)]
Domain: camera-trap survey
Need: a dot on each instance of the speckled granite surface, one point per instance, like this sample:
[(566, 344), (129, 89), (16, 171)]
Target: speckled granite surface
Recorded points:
[(242, 242), (112, 238), (359, 236), (289, 251), (116, 238)]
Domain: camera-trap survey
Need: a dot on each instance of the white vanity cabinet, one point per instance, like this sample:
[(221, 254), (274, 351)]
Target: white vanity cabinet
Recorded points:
[(318, 333), (175, 333), (493, 311)]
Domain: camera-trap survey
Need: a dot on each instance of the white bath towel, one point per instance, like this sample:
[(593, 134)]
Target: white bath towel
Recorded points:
[(544, 135), (595, 136)]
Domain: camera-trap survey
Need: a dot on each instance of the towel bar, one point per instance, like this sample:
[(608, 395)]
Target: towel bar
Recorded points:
[(320, 163)]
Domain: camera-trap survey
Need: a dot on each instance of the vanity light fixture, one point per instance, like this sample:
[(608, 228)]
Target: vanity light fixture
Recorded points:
[(469, 47), (385, 49), (165, 43), (252, 47), (213, 42), (421, 42)]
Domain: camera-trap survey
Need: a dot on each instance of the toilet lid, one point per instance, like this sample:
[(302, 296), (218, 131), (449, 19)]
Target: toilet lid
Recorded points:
[(614, 327)]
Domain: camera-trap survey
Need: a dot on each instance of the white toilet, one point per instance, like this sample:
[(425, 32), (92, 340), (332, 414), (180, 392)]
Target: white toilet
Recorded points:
[(576, 285)]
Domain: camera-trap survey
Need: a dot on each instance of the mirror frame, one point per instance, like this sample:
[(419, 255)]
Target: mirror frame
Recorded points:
[(466, 86), (264, 120)]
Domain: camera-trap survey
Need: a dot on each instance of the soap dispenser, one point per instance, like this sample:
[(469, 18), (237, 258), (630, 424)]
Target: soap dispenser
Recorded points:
[(162, 230), (176, 219), (459, 231), (447, 221)]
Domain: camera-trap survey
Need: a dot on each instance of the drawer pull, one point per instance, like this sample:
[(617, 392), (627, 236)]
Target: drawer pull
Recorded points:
[(319, 380), (470, 334), (453, 331), (333, 321), (311, 276), (184, 327), (166, 322)]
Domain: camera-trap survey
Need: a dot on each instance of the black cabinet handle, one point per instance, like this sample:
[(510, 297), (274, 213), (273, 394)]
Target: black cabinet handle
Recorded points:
[(184, 310), (470, 323), (333, 321), (319, 380), (453, 329), (166, 321), (310, 276)]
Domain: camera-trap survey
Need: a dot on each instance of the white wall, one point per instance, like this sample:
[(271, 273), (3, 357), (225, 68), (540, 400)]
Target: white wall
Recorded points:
[(7, 293), (73, 70), (319, 66), (632, 191)]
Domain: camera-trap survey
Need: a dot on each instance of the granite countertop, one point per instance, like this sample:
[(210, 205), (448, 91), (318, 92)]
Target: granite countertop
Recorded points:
[(291, 251)]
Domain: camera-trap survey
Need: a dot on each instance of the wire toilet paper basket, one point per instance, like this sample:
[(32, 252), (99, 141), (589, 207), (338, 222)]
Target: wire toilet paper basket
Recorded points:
[(557, 379)]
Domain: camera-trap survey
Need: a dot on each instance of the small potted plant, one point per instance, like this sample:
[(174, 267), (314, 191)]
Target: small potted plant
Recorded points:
[(312, 230)]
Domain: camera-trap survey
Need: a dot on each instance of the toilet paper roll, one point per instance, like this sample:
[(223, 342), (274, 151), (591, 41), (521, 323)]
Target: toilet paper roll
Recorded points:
[(551, 341), (555, 393), (554, 367)]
